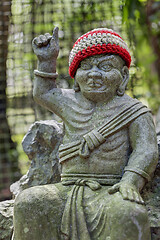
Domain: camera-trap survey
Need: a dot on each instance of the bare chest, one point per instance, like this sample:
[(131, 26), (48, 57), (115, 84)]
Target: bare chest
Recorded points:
[(81, 122), (109, 158)]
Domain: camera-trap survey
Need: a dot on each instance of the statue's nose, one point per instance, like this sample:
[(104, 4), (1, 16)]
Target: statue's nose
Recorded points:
[(94, 73)]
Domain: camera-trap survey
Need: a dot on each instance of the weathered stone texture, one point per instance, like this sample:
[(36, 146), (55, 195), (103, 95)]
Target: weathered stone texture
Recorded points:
[(152, 199), (6, 219), (45, 137), (41, 145)]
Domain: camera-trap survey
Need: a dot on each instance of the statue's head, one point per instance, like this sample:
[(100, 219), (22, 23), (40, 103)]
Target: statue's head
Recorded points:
[(99, 62)]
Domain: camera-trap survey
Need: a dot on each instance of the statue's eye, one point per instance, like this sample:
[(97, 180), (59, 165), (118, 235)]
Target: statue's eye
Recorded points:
[(85, 66), (105, 67)]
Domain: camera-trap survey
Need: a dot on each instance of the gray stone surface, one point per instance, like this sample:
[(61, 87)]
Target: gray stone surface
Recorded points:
[(109, 149), (152, 198), (108, 154), (41, 145), (151, 192), (6, 219)]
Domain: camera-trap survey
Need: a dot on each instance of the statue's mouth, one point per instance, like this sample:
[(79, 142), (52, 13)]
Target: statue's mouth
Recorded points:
[(94, 83), (95, 89)]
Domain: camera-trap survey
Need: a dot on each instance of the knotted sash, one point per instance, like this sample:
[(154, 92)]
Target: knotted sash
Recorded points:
[(96, 137), (73, 225)]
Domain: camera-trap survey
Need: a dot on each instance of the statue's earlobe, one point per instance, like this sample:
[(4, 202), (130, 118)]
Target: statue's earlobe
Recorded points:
[(122, 87), (76, 86)]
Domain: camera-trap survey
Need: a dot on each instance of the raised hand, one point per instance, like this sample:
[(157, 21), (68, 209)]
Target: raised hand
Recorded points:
[(128, 192), (46, 47)]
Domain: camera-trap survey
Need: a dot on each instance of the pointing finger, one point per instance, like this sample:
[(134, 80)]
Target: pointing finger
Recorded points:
[(55, 34)]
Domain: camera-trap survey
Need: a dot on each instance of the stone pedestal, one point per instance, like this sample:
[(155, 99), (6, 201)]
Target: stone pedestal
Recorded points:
[(41, 144)]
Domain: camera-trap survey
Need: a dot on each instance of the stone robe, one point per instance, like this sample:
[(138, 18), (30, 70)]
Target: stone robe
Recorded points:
[(83, 209)]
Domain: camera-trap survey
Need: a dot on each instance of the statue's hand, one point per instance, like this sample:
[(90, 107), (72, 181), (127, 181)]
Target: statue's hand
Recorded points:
[(46, 47), (128, 192)]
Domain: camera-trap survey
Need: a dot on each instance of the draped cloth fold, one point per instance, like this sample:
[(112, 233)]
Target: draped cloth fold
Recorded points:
[(73, 225), (96, 137)]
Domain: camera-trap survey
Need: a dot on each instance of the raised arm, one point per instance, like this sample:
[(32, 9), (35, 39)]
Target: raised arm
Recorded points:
[(46, 47)]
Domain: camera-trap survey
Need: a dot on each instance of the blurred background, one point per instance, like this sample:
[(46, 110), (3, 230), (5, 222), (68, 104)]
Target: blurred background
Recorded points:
[(137, 21)]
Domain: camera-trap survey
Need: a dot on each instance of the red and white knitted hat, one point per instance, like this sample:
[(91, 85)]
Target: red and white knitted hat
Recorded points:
[(97, 41)]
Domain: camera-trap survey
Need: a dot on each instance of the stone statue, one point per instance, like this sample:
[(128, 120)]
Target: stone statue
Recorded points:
[(109, 149)]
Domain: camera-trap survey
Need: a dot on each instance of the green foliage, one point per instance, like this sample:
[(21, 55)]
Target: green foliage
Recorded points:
[(23, 160), (75, 17), (146, 81)]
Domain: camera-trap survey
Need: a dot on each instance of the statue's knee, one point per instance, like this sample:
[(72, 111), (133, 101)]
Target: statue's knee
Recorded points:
[(129, 219), (23, 200), (37, 213), (127, 210), (38, 199), (135, 212)]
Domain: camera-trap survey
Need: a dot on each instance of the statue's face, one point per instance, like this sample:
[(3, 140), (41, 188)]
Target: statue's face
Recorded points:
[(100, 76)]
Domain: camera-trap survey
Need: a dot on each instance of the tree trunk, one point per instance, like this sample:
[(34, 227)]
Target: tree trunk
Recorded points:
[(8, 155)]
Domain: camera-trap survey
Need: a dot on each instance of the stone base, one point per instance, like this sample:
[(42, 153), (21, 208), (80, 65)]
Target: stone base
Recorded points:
[(44, 172), (6, 219)]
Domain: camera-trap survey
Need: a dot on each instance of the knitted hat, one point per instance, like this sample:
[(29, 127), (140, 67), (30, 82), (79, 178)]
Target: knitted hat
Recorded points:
[(97, 41)]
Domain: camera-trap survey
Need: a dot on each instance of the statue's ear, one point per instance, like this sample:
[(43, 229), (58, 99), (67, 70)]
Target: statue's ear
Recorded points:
[(76, 86), (122, 87)]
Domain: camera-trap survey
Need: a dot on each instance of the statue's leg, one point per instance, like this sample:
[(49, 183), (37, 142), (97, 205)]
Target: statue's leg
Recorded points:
[(109, 217), (128, 220), (38, 211)]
